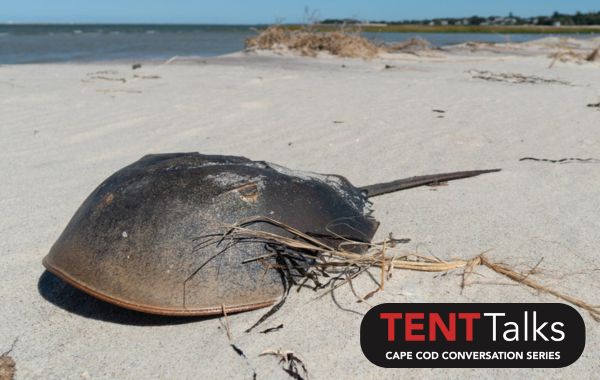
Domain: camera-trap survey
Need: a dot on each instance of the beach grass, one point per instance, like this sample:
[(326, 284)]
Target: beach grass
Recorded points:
[(342, 42)]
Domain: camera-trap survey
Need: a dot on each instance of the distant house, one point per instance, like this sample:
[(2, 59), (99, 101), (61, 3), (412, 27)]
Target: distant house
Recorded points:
[(378, 24), (556, 23), (502, 21), (444, 22)]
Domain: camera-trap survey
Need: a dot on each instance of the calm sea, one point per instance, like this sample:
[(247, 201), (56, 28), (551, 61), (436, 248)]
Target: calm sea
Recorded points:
[(62, 43)]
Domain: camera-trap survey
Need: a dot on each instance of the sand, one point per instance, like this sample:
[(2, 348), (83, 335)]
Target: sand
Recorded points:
[(66, 127)]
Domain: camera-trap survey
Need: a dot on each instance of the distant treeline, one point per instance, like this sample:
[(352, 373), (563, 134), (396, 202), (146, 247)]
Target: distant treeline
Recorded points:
[(590, 18)]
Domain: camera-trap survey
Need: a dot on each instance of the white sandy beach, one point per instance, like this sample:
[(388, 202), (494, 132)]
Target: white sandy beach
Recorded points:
[(64, 128)]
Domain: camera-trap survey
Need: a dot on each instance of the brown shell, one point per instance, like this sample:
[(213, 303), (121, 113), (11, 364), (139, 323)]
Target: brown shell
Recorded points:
[(133, 242)]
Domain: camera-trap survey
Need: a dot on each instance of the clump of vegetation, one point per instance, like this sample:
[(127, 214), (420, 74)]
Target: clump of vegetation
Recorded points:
[(568, 54), (593, 56), (302, 259), (412, 45), (310, 43), (7, 364)]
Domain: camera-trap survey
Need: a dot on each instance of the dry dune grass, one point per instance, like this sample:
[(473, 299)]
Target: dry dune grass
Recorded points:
[(342, 43), (575, 56), (569, 51), (412, 45), (593, 56), (310, 43)]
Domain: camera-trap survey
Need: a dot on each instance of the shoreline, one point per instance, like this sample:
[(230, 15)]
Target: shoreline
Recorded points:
[(375, 27), (483, 29), (539, 47), (438, 43)]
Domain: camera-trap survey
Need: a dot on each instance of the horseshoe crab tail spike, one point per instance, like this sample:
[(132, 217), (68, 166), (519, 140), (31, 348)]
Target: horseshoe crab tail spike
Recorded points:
[(407, 183)]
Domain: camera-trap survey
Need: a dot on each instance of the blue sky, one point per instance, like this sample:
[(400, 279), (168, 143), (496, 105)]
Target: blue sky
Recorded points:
[(269, 11)]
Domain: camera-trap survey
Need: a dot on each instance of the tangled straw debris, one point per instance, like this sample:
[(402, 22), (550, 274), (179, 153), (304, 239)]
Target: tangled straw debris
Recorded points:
[(308, 258), (593, 56), (569, 160), (8, 366), (413, 45), (577, 56), (291, 363), (515, 78), (342, 43), (310, 43)]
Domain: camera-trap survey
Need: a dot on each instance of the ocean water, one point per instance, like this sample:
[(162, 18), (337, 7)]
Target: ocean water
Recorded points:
[(64, 43)]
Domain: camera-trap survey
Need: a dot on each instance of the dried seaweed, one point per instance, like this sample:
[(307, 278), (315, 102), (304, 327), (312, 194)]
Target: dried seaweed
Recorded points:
[(294, 247), (514, 78), (146, 76), (563, 160), (272, 329), (593, 56), (291, 363), (101, 77), (8, 367), (411, 46), (287, 281), (238, 350)]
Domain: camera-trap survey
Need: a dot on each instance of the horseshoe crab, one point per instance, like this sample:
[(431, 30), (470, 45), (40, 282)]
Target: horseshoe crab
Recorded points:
[(133, 241)]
